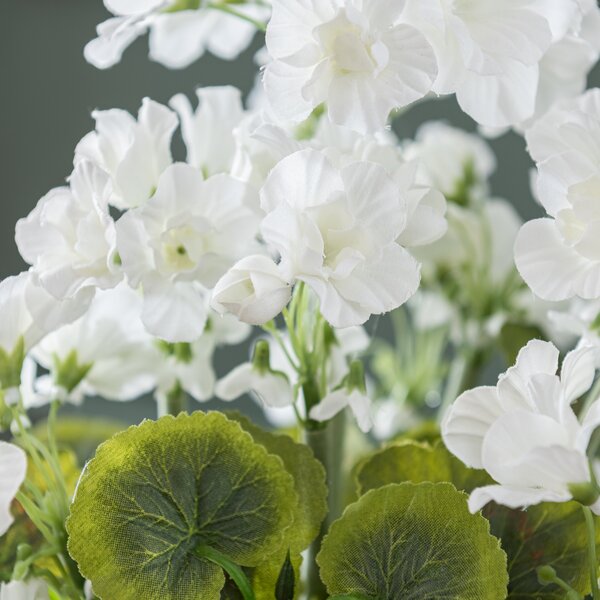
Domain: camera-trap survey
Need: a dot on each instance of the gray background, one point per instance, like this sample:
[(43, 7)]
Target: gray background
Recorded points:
[(47, 92)]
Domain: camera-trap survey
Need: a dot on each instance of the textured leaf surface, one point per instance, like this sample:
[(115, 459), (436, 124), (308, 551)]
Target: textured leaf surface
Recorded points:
[(311, 489), (156, 492), (413, 542), (547, 534), (416, 463)]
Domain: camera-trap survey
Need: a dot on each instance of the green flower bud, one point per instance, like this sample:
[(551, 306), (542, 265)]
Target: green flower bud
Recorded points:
[(546, 575), (585, 493), (68, 373), (261, 359)]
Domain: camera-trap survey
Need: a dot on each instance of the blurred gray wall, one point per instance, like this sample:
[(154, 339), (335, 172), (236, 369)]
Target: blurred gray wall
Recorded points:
[(47, 92)]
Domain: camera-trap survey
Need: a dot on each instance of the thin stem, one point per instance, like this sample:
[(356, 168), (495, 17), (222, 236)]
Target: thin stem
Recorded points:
[(227, 9), (593, 559), (233, 570)]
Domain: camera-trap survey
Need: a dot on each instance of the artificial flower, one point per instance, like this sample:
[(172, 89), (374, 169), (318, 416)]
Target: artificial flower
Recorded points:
[(209, 131), (559, 256), (178, 245), (271, 387), (29, 313), (180, 32), (254, 290), (13, 468), (133, 152), (489, 52), (107, 352), (455, 162), (336, 231), (189, 366), (524, 432), (69, 237), (350, 54), (351, 394)]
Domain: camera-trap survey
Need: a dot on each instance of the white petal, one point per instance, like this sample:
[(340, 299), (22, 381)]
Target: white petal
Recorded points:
[(273, 390), (550, 268), (236, 383), (578, 372), (32, 589), (132, 7), (467, 422), (174, 311), (330, 406), (13, 468), (513, 497), (361, 407)]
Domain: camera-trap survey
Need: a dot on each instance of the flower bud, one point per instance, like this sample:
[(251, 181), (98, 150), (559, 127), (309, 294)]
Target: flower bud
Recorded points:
[(254, 290), (585, 493)]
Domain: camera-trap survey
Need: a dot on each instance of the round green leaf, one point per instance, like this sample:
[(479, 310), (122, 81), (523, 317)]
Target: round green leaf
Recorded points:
[(156, 492), (546, 534), (413, 542), (309, 481), (311, 488), (417, 463)]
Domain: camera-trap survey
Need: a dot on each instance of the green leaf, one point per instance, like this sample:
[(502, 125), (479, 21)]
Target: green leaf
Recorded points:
[(546, 534), (309, 481), (286, 582), (311, 489), (157, 492), (413, 542), (417, 463)]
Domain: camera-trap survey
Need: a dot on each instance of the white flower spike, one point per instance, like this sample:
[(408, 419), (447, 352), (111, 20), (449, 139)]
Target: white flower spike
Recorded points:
[(13, 468), (524, 432), (351, 55)]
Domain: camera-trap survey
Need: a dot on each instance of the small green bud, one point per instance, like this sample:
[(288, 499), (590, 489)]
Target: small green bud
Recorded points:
[(355, 380), (11, 365), (24, 551), (585, 493), (181, 351), (68, 373), (20, 571), (546, 575), (261, 359)]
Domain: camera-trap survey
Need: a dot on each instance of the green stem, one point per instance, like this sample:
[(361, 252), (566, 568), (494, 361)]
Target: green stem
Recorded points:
[(328, 447), (227, 9), (593, 559), (176, 402), (233, 570)]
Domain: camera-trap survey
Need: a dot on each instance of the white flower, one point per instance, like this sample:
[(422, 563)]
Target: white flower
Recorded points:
[(580, 319), (336, 231), (254, 290), (69, 237), (107, 352), (13, 468), (524, 432), (179, 35), (271, 387), (190, 365), (32, 589), (133, 152), (489, 52), (453, 161), (358, 402), (180, 243), (351, 55), (29, 313), (559, 256), (208, 132)]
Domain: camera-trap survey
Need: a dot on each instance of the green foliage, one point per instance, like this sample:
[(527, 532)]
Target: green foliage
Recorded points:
[(156, 493), (547, 534), (413, 542), (417, 463), (286, 582), (311, 490)]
